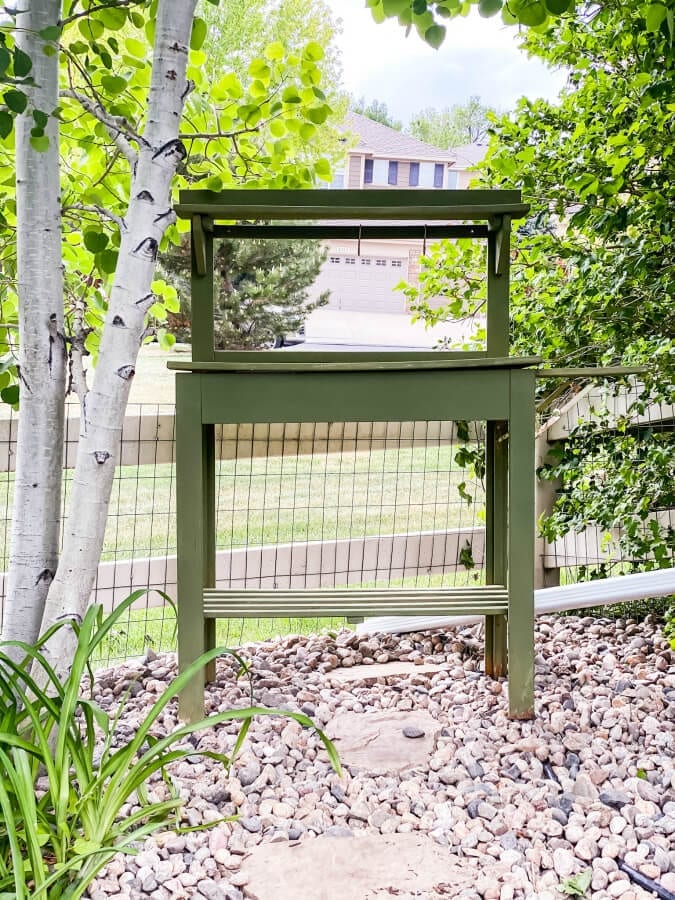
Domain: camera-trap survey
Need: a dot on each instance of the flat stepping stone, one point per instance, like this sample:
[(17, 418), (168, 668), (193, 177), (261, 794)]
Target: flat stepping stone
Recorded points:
[(376, 741), (383, 670), (353, 868)]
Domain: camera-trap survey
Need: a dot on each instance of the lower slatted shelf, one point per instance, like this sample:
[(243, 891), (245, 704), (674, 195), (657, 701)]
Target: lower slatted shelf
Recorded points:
[(484, 600)]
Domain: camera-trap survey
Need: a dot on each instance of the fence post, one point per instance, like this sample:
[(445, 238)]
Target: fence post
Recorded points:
[(544, 498)]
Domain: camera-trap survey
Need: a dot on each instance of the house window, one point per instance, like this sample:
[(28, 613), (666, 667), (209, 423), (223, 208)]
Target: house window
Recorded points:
[(365, 262), (396, 263), (392, 176), (380, 171), (368, 171), (380, 262), (452, 179), (338, 180), (350, 261), (438, 175), (414, 176), (426, 174), (334, 259)]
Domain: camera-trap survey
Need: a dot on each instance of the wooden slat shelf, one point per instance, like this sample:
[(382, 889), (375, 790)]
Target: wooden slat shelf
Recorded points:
[(484, 601)]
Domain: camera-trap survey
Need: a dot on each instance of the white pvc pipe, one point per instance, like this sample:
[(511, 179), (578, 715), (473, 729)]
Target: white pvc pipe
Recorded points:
[(602, 592)]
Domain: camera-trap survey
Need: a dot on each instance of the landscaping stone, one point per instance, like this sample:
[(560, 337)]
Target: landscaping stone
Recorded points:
[(517, 806), (375, 741), (355, 868)]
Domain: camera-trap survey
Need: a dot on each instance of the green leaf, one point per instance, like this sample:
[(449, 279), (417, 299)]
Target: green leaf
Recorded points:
[(113, 17), (113, 84), (198, 35), (274, 51), (40, 143), (578, 884), (313, 51), (136, 48), (318, 114), (107, 261), (10, 394), (435, 35), (395, 7), (259, 69), (290, 95), (558, 7), (22, 63), (322, 169), (16, 101), (95, 241), (487, 8), (40, 118), (82, 846), (90, 28), (6, 124), (50, 33), (530, 12), (654, 16)]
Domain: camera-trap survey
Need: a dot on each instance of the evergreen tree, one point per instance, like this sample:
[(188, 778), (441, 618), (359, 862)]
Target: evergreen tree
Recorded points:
[(261, 289)]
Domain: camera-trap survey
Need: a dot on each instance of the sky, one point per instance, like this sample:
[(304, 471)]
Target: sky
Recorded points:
[(479, 56)]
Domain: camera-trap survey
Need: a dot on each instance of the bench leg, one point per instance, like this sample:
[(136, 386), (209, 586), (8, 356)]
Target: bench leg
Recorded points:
[(495, 550), (496, 663), (209, 494), (190, 515), (521, 547)]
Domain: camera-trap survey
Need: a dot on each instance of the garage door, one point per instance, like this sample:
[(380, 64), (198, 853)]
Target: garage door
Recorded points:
[(364, 283)]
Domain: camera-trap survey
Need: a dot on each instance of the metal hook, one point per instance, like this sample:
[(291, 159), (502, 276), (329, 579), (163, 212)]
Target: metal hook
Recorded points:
[(424, 242), (358, 244)]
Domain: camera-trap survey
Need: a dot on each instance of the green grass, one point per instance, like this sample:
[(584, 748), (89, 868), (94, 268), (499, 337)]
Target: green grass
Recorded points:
[(283, 499)]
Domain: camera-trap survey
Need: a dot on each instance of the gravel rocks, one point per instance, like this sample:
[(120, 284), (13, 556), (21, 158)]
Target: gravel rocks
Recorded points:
[(587, 784)]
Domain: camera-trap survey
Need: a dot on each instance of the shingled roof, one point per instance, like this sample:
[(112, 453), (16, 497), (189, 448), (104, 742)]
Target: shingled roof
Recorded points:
[(382, 141)]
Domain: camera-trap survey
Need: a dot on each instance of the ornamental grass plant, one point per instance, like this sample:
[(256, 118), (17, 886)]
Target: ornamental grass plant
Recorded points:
[(55, 839)]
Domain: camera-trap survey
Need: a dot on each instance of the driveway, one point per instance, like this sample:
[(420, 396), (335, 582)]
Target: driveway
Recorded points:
[(341, 330)]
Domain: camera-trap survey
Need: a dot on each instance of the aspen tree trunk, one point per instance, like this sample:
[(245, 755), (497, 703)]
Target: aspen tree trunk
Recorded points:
[(36, 519), (148, 215)]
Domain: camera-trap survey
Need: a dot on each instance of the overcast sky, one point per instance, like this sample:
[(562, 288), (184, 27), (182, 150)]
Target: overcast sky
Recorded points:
[(479, 56)]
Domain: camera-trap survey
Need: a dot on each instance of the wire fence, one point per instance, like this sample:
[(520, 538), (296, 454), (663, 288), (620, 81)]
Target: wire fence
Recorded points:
[(312, 505)]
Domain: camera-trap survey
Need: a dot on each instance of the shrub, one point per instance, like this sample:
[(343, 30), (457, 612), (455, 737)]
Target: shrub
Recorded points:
[(53, 842)]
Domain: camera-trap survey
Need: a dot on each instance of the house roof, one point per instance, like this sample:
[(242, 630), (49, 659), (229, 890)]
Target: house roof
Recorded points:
[(468, 155), (380, 140)]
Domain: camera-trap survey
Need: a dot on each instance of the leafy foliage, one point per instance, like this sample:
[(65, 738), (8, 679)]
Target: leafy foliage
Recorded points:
[(428, 16), (54, 839), (260, 286), (593, 271), (254, 127), (463, 123)]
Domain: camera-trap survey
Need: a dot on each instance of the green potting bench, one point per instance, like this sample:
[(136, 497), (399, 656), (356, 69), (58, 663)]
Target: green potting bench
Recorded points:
[(218, 387)]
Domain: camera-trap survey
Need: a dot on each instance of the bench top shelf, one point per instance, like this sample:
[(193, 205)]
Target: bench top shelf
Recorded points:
[(269, 361)]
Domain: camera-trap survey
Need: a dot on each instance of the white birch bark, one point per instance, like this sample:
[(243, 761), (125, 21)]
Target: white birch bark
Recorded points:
[(148, 215), (36, 517)]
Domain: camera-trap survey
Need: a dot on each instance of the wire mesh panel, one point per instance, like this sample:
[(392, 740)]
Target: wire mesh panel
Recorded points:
[(367, 504)]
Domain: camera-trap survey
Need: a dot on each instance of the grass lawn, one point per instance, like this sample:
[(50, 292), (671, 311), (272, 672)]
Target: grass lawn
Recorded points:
[(282, 499)]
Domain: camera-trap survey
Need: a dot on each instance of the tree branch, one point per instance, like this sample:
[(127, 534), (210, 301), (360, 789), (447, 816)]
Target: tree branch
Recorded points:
[(87, 12), (118, 127), (99, 210)]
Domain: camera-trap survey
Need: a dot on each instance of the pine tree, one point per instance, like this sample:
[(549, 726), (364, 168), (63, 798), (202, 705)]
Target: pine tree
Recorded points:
[(262, 290)]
